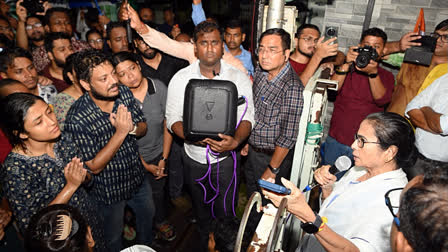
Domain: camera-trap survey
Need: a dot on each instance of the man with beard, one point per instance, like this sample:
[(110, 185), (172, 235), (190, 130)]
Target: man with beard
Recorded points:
[(146, 14), (105, 123), (17, 64), (30, 30), (35, 31), (155, 64), (56, 19), (58, 47), (310, 51)]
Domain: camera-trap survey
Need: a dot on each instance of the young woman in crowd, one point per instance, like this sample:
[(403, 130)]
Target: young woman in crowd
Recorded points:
[(95, 39), (155, 146), (66, 98), (43, 167)]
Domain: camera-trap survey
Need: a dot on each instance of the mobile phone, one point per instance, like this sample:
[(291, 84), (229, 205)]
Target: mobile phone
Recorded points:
[(330, 32), (33, 6), (273, 187)]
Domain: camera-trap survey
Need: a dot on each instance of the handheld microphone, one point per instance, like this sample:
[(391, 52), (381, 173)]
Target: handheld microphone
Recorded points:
[(129, 32), (343, 163)]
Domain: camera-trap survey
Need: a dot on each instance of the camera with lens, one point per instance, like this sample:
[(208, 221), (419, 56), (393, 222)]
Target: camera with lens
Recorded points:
[(366, 54), (33, 6), (330, 32)]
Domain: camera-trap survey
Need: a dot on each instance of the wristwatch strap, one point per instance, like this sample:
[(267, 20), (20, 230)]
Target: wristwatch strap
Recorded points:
[(274, 170)]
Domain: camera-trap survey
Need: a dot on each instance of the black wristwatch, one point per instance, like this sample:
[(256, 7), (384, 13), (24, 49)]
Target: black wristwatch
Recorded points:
[(274, 170), (312, 227), (163, 159), (374, 75)]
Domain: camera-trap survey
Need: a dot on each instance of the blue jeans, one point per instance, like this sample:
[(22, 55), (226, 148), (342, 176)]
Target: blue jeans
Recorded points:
[(333, 149), (143, 206)]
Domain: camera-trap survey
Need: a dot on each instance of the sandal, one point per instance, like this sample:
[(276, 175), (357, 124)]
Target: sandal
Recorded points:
[(166, 232), (129, 233)]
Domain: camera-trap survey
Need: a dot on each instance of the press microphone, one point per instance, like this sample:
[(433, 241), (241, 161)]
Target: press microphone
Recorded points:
[(129, 33), (343, 163)]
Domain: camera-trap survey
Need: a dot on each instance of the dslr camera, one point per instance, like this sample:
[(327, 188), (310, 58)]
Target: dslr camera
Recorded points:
[(366, 54)]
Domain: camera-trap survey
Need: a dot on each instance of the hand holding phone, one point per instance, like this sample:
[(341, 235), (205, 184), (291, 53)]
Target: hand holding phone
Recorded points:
[(273, 187)]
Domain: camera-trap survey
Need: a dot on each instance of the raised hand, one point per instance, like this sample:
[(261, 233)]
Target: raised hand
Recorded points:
[(127, 12), (406, 40), (122, 120), (324, 177), (326, 49), (21, 11), (75, 173)]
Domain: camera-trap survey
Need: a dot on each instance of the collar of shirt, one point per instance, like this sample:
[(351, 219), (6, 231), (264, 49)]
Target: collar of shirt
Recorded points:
[(241, 47), (151, 86), (280, 75), (220, 75)]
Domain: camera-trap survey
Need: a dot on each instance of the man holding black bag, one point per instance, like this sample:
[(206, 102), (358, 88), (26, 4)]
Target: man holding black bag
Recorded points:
[(198, 159), (364, 88)]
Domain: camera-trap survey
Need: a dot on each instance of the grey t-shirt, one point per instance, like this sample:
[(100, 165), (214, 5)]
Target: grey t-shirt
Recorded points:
[(153, 107)]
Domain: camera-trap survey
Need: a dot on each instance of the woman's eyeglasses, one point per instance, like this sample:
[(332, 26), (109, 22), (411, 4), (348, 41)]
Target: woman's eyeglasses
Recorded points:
[(361, 141)]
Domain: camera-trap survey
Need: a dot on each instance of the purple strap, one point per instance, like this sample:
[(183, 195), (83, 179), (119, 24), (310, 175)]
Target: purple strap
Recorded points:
[(209, 172)]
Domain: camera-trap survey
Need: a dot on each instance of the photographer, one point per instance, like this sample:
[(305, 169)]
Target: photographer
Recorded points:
[(411, 77), (364, 88)]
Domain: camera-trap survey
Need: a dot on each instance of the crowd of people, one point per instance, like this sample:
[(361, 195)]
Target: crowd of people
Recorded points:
[(93, 126)]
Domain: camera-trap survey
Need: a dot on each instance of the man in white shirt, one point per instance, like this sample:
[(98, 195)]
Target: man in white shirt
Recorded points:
[(209, 50), (428, 112)]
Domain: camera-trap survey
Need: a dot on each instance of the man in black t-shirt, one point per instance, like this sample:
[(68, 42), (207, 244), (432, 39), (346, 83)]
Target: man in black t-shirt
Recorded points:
[(156, 64)]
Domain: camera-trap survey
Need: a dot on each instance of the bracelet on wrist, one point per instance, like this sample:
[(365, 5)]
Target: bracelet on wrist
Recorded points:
[(134, 131), (340, 72), (324, 221)]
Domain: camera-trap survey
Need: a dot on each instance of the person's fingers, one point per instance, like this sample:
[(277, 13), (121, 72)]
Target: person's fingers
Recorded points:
[(224, 137), (331, 40), (288, 184), (320, 40), (414, 44)]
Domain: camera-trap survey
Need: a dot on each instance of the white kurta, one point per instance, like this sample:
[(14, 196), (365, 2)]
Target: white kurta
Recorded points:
[(357, 210)]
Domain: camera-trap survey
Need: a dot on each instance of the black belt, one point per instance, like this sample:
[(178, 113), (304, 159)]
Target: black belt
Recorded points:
[(422, 157), (265, 151)]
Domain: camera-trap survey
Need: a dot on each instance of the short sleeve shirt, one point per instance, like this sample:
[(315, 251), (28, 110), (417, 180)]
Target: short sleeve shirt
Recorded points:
[(355, 101)]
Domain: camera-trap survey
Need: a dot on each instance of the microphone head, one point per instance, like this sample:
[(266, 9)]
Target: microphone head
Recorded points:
[(343, 163)]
